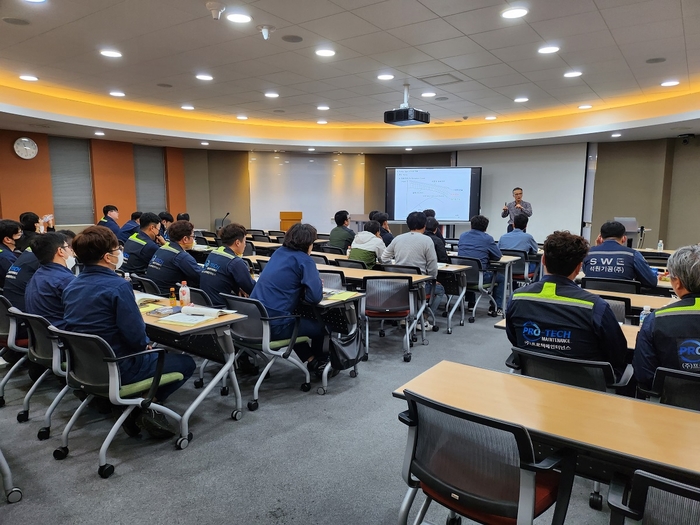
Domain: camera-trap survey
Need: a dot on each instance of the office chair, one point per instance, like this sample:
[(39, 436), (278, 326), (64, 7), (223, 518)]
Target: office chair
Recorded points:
[(201, 241), (253, 337), (479, 467), (611, 285), (249, 248), (198, 296), (475, 282), (257, 237), (653, 499), (420, 292), (262, 263), (521, 268), (276, 233), (333, 280), (319, 259), (8, 339), (351, 263), (324, 236), (621, 307), (93, 369), (675, 387), (255, 232), (12, 493), (147, 285), (332, 249)]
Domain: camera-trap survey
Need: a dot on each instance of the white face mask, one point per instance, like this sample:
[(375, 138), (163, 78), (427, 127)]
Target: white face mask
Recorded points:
[(120, 260), (70, 262)]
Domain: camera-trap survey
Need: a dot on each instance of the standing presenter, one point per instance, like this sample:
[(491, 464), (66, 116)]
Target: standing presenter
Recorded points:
[(518, 206)]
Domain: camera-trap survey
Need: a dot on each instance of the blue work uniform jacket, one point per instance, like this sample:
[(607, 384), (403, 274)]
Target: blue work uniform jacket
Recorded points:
[(615, 261), (7, 259), (171, 264), (479, 245), (138, 252), (44, 294), (225, 272), (18, 277), (126, 231)]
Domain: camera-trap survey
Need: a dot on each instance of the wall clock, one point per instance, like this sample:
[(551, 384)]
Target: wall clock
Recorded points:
[(26, 148)]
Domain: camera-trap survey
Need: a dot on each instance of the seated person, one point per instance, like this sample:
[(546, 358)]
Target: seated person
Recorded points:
[(10, 233), (432, 230), (478, 244), (165, 221), (99, 302), (341, 235), (367, 246), (669, 336), (383, 220), (32, 225), (431, 213), (372, 214), (556, 317), (130, 227), (45, 290), (519, 239), (611, 258), (225, 271), (140, 247), (183, 216), (171, 263), (110, 215), (415, 249), (290, 276)]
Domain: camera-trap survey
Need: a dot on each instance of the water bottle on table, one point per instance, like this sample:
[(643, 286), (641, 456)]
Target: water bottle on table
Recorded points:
[(185, 294), (645, 313), (660, 246)]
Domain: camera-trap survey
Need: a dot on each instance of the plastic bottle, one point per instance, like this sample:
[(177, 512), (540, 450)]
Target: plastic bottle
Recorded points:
[(127, 276), (184, 294), (660, 246), (645, 313), (173, 297)]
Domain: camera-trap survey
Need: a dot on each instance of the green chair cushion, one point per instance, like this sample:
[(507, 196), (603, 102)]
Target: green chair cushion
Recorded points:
[(281, 343), (142, 386)]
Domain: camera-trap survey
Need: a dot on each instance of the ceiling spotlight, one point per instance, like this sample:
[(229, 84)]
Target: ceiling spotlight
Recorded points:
[(100, 133), (187, 107), (271, 94), (325, 52), (548, 49), (204, 143), (516, 12), (242, 117), (111, 53), (670, 83), (323, 108), (312, 149), (521, 99), (428, 94), (321, 122), (36, 1), (385, 77), (29, 78), (239, 18), (409, 149), (573, 74), (490, 118), (117, 94), (266, 30), (216, 8), (615, 135), (585, 106), (204, 77)]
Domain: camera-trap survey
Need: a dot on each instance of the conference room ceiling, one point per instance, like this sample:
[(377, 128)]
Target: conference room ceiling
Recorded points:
[(475, 61)]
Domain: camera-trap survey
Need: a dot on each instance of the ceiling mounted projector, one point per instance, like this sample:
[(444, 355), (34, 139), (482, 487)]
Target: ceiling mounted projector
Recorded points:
[(406, 116)]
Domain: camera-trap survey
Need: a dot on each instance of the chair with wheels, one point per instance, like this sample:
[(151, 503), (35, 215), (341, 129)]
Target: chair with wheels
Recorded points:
[(351, 263), (651, 499), (253, 337), (147, 285), (480, 468), (611, 285), (258, 237), (324, 236), (333, 280), (253, 231), (388, 299), (593, 375), (422, 297), (12, 493), (521, 269), (621, 307), (332, 249), (675, 387), (276, 233), (319, 259), (9, 327), (476, 284), (93, 368), (262, 263)]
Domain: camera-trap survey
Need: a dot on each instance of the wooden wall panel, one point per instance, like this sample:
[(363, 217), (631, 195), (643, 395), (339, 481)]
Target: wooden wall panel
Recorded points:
[(175, 195), (113, 180)]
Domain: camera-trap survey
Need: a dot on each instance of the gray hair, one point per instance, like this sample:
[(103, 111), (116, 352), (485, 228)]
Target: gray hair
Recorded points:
[(684, 265)]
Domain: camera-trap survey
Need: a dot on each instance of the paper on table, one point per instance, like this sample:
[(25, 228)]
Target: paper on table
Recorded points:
[(148, 308), (341, 296), (184, 319)]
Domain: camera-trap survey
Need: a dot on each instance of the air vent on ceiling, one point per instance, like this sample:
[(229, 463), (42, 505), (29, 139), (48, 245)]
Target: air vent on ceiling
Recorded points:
[(294, 39), (15, 21), (441, 80)]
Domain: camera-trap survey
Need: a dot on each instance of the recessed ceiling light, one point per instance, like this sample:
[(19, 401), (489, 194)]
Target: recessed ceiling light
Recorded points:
[(521, 99), (100, 133), (28, 78), (204, 143), (242, 117), (585, 106), (385, 77), (428, 94), (335, 160), (409, 149), (187, 107), (573, 74), (516, 12), (239, 18), (490, 118), (670, 83), (325, 52), (36, 1), (111, 53), (322, 122), (323, 108), (117, 94), (615, 135), (312, 149), (548, 49), (271, 94), (203, 76)]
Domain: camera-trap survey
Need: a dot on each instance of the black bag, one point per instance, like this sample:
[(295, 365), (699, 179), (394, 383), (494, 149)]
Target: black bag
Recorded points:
[(346, 350)]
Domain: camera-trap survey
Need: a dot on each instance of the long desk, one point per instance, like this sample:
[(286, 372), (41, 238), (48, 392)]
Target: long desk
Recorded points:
[(664, 285), (610, 433), (638, 301)]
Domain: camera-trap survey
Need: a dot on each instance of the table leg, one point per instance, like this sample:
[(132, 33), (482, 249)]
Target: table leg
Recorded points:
[(459, 302)]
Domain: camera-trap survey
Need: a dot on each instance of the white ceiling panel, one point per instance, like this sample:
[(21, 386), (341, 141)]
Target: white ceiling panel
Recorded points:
[(426, 32), (297, 12), (395, 13), (642, 13), (452, 7), (509, 36), (539, 63), (451, 48), (340, 26), (483, 58), (495, 70), (506, 80), (368, 44), (401, 57), (481, 20), (559, 28), (653, 31), (548, 9), (422, 69)]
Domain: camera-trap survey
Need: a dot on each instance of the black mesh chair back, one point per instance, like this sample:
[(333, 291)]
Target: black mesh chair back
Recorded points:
[(611, 285), (200, 297), (400, 268), (86, 366), (678, 388), (621, 306), (593, 375), (218, 242), (522, 266), (201, 240), (249, 248), (319, 259), (262, 263), (324, 236), (349, 263), (255, 232), (206, 233), (40, 348), (5, 306), (259, 237), (332, 249), (333, 279), (649, 255), (146, 284), (276, 233), (251, 330), (473, 272), (387, 294)]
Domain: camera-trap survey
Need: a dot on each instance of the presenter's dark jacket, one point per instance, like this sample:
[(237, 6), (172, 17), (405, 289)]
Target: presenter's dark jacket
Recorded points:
[(126, 231), (615, 261), (45, 292), (387, 236), (440, 249), (99, 302), (289, 276), (171, 264), (7, 259), (18, 276), (554, 316), (670, 338), (138, 252), (225, 272), (110, 223)]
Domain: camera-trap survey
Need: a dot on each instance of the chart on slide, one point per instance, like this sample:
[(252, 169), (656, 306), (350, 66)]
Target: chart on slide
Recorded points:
[(444, 190)]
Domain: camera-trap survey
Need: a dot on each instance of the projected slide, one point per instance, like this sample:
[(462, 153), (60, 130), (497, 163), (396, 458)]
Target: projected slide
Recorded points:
[(444, 190)]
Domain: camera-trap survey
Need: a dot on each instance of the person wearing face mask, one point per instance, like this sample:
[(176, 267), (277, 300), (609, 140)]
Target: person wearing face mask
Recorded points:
[(99, 302), (172, 264), (32, 226), (10, 233), (141, 246)]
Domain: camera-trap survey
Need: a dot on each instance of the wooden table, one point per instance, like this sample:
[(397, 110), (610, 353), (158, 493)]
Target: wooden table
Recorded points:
[(637, 300), (330, 256), (610, 433), (654, 250), (630, 332), (665, 285)]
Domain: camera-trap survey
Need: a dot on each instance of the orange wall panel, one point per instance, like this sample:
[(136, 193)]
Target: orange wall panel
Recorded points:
[(25, 185), (175, 181), (113, 180)]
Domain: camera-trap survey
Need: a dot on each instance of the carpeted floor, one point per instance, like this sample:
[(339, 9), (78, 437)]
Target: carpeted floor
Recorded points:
[(301, 458)]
